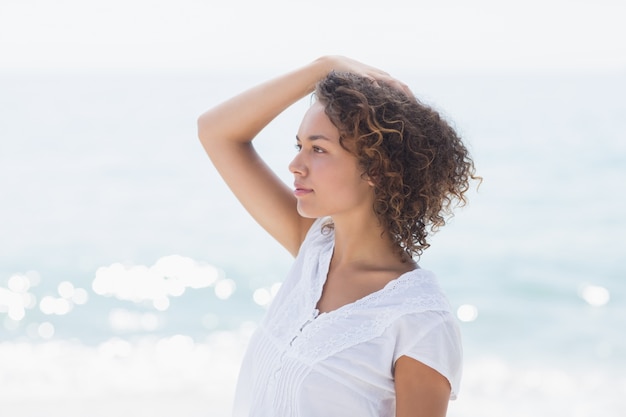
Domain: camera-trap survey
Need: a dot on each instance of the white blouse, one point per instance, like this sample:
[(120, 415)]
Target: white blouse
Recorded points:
[(341, 363)]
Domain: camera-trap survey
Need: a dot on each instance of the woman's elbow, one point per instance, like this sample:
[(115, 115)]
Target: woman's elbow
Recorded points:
[(206, 135), (201, 124)]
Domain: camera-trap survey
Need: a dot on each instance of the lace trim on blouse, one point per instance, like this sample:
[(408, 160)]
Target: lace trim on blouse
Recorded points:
[(313, 338)]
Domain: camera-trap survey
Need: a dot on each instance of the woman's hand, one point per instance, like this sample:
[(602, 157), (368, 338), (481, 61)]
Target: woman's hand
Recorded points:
[(344, 64)]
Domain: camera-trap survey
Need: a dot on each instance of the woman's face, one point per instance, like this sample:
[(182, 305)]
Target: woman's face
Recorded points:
[(327, 178)]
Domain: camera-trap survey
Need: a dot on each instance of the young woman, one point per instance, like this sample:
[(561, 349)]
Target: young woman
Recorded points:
[(357, 328)]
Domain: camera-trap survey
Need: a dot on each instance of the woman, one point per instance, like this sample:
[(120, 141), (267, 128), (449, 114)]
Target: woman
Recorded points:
[(357, 328)]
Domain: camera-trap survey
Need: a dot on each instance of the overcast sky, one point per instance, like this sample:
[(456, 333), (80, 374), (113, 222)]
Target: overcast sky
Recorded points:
[(443, 35)]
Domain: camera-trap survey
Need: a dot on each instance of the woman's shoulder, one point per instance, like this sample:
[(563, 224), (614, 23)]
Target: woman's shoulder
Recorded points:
[(415, 291)]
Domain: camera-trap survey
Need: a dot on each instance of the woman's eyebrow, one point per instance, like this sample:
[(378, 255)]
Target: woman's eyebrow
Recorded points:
[(314, 137)]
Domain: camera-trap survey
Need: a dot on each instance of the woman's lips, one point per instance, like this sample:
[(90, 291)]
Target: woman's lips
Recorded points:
[(300, 190)]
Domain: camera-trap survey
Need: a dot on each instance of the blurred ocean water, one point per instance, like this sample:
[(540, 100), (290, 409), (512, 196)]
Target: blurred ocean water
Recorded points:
[(130, 278)]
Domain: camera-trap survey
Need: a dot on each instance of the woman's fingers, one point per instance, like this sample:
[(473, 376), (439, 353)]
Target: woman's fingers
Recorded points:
[(345, 64)]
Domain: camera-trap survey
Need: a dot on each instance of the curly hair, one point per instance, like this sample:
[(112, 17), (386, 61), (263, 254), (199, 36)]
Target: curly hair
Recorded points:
[(418, 165)]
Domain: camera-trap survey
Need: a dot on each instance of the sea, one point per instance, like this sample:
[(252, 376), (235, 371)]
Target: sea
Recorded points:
[(131, 279)]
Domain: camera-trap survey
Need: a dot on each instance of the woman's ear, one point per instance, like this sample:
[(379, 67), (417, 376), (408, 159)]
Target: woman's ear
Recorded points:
[(368, 179)]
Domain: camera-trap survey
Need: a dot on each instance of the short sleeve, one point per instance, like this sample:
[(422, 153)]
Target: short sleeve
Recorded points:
[(434, 339)]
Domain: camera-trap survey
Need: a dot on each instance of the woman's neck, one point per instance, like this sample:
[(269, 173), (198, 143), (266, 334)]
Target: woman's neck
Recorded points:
[(362, 240)]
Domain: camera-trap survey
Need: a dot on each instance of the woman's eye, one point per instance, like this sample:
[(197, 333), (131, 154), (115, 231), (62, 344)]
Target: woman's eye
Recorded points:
[(315, 149)]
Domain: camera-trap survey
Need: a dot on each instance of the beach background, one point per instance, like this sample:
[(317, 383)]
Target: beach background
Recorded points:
[(131, 280)]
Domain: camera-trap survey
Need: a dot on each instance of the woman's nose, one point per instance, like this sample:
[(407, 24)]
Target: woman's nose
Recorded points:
[(296, 166)]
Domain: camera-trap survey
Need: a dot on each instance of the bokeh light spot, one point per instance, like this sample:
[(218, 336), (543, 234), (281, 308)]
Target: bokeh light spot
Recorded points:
[(122, 320), (225, 288), (595, 295), (19, 283), (16, 312), (467, 313), (170, 276), (66, 289), (80, 296), (262, 297), (46, 330), (46, 305)]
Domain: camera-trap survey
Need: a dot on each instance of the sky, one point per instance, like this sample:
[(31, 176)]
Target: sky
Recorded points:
[(191, 35)]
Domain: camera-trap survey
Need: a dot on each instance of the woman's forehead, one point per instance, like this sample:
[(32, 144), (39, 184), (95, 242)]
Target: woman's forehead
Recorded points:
[(317, 125)]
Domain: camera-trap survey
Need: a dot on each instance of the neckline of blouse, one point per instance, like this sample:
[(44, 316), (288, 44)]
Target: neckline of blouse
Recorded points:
[(324, 267)]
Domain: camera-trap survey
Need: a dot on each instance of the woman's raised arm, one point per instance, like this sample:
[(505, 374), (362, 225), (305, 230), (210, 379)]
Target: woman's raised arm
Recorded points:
[(227, 131)]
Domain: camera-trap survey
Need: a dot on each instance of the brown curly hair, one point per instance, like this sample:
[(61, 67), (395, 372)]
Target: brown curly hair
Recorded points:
[(418, 165)]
